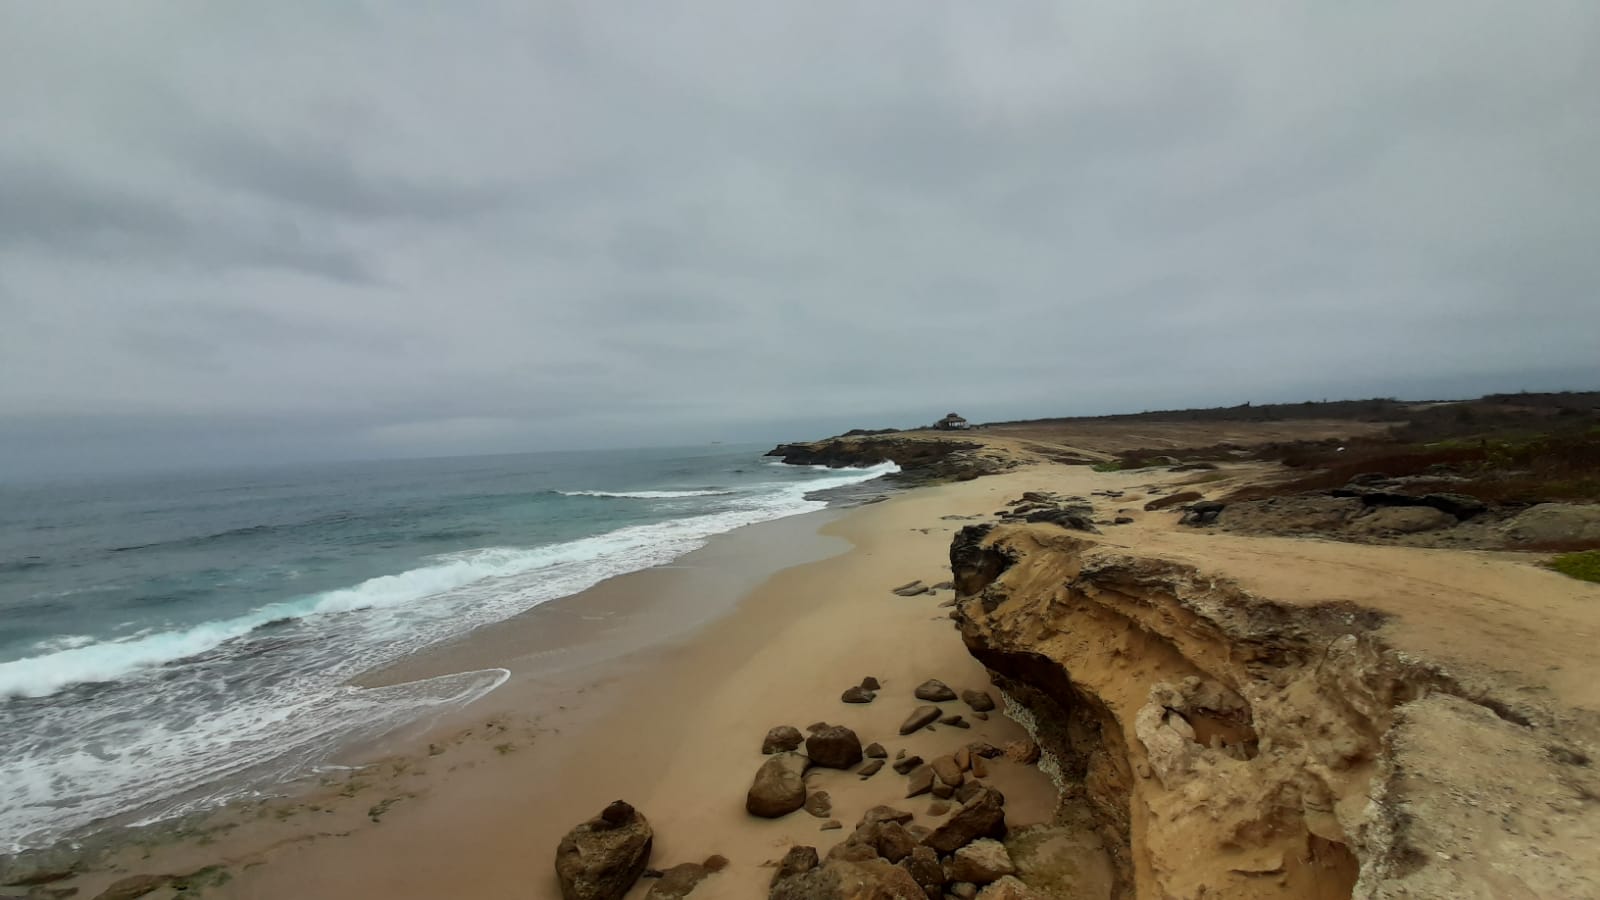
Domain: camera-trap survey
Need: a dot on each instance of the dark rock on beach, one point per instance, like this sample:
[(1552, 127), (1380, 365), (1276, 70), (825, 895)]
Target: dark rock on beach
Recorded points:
[(934, 690), (979, 701), (922, 717), (907, 763), (875, 751), (982, 816), (779, 787), (834, 747), (603, 857), (870, 769), (857, 695), (781, 738)]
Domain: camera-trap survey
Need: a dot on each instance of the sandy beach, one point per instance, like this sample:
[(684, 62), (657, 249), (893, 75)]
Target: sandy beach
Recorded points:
[(655, 687)]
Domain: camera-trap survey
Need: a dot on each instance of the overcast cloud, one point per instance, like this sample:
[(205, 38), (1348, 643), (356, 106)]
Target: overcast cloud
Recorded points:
[(242, 232)]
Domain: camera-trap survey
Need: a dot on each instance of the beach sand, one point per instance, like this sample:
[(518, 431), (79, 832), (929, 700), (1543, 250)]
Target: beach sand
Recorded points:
[(656, 688)]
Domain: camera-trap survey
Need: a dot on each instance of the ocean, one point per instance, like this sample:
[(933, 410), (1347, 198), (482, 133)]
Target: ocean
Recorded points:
[(168, 643)]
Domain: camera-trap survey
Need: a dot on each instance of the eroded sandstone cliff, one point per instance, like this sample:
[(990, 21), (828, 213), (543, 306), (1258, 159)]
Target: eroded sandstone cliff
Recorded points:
[(1228, 745)]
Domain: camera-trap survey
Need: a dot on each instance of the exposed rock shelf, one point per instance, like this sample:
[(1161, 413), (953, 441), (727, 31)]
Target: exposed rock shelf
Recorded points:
[(921, 457), (1228, 745)]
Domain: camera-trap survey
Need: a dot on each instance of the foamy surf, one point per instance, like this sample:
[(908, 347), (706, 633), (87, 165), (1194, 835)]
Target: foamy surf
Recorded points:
[(183, 718), (649, 495)]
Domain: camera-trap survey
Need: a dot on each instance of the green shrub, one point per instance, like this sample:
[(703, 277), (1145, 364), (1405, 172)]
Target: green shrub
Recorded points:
[(1583, 566)]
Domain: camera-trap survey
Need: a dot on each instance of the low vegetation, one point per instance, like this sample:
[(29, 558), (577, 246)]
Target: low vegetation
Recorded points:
[(1583, 566)]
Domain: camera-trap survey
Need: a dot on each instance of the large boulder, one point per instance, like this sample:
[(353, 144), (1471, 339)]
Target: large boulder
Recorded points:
[(834, 747), (934, 690), (779, 787), (840, 879), (981, 862), (782, 738), (603, 857), (982, 816), (1553, 522)]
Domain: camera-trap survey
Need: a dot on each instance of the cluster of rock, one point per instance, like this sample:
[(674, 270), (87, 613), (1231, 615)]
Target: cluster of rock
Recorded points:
[(779, 787), (888, 858), (1042, 506)]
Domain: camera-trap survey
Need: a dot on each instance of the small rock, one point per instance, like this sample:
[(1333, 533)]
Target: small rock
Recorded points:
[(831, 825), (834, 747), (945, 586), (138, 885), (984, 749), (962, 890), (781, 738), (870, 684), (910, 589), (934, 690), (921, 718), (1023, 751), (779, 787), (981, 862), (963, 758), (870, 769), (875, 751), (980, 701), (980, 768), (948, 770), (1009, 888), (954, 721), (857, 695), (981, 716), (819, 804), (884, 814), (969, 790), (938, 807), (1122, 520), (678, 881), (796, 861), (603, 857), (920, 782), (906, 764), (815, 727), (901, 754), (941, 790)]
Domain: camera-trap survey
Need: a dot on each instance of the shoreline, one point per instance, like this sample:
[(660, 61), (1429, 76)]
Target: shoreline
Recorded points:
[(663, 702)]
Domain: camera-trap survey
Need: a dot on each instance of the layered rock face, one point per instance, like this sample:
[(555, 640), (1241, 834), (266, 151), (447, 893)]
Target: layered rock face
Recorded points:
[(1226, 745)]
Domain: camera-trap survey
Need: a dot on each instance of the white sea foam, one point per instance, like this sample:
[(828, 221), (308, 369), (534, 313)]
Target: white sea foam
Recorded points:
[(649, 495), (200, 716)]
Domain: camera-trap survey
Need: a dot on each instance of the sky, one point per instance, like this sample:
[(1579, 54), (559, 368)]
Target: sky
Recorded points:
[(253, 232)]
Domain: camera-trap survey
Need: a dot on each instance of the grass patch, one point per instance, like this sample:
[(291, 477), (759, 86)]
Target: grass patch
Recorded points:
[(1583, 566)]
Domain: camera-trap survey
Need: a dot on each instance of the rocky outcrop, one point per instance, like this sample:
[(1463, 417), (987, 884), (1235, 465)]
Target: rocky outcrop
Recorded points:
[(1223, 744), (923, 458), (603, 857)]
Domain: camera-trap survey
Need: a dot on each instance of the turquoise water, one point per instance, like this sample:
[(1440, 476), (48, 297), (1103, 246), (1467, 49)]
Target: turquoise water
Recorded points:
[(159, 635)]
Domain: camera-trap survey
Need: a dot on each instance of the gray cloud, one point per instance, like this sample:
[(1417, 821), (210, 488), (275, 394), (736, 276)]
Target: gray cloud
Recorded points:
[(295, 230)]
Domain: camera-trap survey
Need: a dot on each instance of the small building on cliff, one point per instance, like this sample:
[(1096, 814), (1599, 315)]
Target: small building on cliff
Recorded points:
[(951, 422)]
